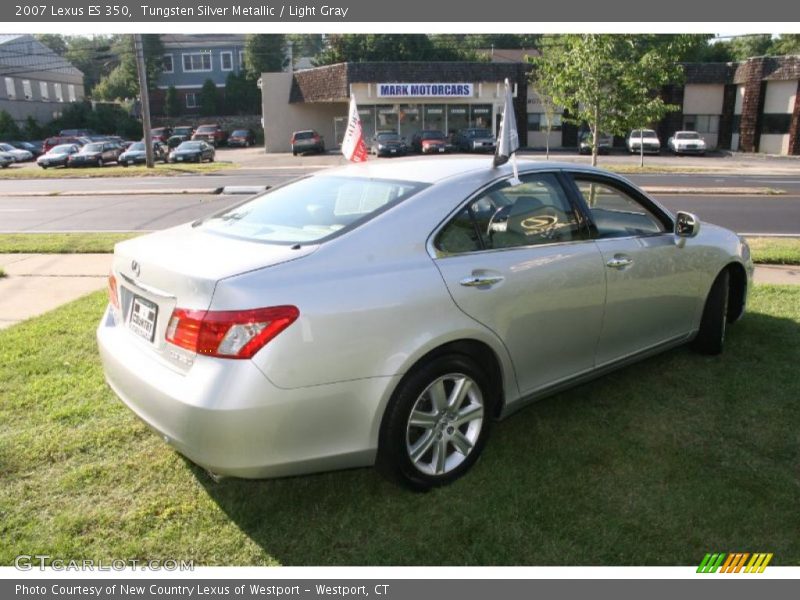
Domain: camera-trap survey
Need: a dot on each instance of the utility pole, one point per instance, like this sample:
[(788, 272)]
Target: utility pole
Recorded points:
[(144, 95)]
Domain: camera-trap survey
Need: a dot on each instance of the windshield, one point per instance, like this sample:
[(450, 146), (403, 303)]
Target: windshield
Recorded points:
[(182, 130), (687, 136), (239, 133), (137, 146), (206, 129), (92, 148), (311, 209), (62, 149), (190, 146), (7, 147), (388, 137), (643, 133), (479, 133)]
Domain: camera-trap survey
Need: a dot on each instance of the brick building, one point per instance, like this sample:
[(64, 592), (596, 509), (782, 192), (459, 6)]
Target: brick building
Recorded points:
[(750, 106)]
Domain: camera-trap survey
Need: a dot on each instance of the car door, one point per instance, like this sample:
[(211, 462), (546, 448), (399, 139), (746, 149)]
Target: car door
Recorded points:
[(519, 260), (653, 278)]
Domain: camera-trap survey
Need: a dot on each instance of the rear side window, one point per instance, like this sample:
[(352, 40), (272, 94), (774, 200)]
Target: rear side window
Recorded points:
[(311, 209), (534, 213), (615, 212)]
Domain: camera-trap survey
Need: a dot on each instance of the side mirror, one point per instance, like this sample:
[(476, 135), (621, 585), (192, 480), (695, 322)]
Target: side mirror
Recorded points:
[(687, 225)]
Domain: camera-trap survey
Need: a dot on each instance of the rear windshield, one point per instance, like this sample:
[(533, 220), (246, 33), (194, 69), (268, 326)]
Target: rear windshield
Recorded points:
[(239, 132), (479, 133), (206, 128), (62, 149), (687, 136), (311, 209), (190, 146), (303, 135), (643, 133), (432, 135)]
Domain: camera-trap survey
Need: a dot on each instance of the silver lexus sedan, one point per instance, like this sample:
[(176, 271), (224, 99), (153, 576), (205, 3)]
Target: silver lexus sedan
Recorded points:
[(387, 313)]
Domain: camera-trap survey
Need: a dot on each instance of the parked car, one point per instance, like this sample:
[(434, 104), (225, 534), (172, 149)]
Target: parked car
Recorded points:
[(307, 140), (161, 134), (57, 156), (136, 154), (192, 151), (429, 141), (385, 143), (59, 140), (213, 134), (95, 154), (34, 149), (372, 313), (475, 140), (182, 133), (604, 143), (19, 155), (242, 137), (687, 142), (643, 137), (6, 160)]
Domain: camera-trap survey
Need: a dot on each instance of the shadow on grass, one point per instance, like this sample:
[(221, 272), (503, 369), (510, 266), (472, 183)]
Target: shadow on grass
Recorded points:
[(655, 464)]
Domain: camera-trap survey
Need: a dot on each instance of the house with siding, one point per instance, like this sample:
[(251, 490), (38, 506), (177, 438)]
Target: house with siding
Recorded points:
[(35, 81), (189, 60)]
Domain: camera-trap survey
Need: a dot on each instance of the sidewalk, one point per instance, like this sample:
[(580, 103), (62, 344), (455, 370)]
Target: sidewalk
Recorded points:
[(37, 283)]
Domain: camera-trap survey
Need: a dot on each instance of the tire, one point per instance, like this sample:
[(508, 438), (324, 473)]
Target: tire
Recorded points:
[(711, 336), (100, 163), (425, 455), (43, 166)]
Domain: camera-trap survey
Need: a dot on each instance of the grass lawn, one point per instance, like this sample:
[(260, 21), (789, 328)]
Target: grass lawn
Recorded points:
[(656, 464), (2, 273), (160, 170), (775, 251), (61, 243)]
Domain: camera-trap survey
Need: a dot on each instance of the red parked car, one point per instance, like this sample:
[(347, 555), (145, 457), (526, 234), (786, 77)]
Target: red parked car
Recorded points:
[(213, 134), (161, 134)]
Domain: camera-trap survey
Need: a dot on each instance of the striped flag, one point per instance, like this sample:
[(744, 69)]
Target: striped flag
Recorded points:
[(353, 146), (508, 142)]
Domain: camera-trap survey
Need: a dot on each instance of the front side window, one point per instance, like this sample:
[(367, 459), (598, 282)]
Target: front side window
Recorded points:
[(311, 209), (534, 213), (615, 212)]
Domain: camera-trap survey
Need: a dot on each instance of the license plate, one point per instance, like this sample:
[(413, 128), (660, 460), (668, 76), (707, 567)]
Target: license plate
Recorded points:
[(143, 317), (441, 150), (392, 150)]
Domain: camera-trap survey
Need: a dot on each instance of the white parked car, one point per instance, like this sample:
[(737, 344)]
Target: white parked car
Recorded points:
[(18, 154), (386, 313), (643, 137), (687, 142)]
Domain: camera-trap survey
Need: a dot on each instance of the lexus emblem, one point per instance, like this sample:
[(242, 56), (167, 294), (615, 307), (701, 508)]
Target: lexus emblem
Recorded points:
[(135, 268)]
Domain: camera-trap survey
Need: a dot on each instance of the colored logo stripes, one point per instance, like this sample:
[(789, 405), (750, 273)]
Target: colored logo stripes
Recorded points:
[(735, 562)]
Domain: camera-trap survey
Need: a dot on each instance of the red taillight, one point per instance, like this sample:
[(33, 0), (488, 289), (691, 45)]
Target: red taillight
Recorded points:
[(293, 140), (113, 297), (315, 137), (228, 333)]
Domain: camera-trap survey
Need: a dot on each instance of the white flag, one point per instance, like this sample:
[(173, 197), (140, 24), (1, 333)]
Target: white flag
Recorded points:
[(353, 146), (508, 142)]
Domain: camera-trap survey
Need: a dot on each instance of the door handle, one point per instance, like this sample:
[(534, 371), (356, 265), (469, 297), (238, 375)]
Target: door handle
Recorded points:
[(620, 262), (481, 280)]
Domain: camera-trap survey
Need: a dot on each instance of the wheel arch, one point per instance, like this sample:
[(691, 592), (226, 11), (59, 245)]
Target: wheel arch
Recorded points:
[(737, 291)]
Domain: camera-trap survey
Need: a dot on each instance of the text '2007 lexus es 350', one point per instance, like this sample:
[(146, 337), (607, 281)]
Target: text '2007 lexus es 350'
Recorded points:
[(388, 313)]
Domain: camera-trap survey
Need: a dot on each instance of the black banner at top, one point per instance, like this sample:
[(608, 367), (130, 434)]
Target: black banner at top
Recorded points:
[(382, 11)]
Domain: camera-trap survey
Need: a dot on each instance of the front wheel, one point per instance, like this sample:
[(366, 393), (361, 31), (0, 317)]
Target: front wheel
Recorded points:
[(711, 336), (99, 162), (436, 424)]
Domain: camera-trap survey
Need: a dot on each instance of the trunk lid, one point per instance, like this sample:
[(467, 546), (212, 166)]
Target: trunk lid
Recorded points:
[(180, 267)]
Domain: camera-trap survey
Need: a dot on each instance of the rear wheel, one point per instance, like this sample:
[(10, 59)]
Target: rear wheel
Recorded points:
[(436, 424), (99, 162), (711, 336)]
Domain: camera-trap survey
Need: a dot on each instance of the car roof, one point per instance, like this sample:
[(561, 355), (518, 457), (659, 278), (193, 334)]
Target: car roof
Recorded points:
[(425, 170)]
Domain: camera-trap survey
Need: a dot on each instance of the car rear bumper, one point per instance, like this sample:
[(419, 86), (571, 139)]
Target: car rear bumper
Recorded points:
[(227, 417)]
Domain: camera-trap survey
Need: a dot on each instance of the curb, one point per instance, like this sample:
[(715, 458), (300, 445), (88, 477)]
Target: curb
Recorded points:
[(231, 189), (713, 191)]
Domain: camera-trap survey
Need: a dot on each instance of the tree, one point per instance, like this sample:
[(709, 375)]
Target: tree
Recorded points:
[(264, 53), (123, 80), (609, 82), (94, 58), (54, 41), (391, 47), (172, 104), (32, 129), (9, 130), (209, 104)]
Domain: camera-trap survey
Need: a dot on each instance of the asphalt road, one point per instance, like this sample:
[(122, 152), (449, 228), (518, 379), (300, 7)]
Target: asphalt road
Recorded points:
[(744, 214)]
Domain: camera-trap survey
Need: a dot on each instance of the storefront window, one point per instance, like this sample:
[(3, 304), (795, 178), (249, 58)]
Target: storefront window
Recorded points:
[(367, 116), (386, 117), (457, 118), (480, 115), (410, 117), (434, 116)]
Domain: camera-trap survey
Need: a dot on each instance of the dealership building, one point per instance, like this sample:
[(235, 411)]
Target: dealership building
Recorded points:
[(751, 106)]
